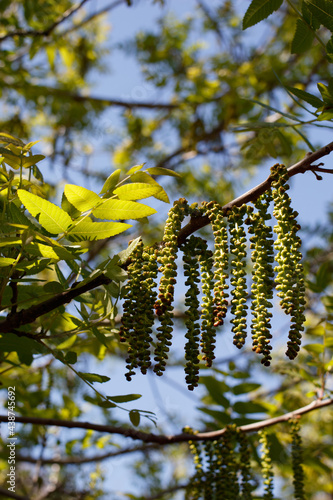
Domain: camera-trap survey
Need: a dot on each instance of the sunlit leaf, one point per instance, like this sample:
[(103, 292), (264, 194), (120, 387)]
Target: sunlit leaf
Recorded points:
[(81, 198), (122, 209), (137, 191), (51, 217)]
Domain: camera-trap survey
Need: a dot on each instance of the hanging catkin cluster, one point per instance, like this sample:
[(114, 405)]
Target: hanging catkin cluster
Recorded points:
[(209, 274), (222, 468), (289, 279)]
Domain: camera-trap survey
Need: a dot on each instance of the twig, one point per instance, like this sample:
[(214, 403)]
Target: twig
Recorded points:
[(26, 316), (147, 437), (253, 194), (101, 101), (9, 494), (49, 29), (87, 460)]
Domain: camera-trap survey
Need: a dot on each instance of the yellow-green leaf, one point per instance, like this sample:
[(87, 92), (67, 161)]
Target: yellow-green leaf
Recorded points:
[(51, 217), (111, 181), (137, 191), (28, 161), (86, 229), (6, 261), (122, 209), (81, 198), (162, 171), (67, 343), (134, 169)]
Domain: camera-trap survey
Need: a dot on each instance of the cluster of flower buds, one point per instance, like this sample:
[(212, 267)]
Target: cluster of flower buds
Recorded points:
[(229, 263), (262, 277), (238, 273), (138, 316), (168, 267), (266, 465), (297, 459), (222, 467), (221, 261), (289, 279)]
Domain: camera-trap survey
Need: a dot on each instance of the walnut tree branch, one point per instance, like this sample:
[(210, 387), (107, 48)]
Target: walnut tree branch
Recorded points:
[(26, 316), (304, 165), (162, 439), (47, 31)]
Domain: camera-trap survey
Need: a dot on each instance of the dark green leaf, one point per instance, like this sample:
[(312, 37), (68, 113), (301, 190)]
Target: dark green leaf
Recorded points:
[(303, 38), (94, 377), (124, 399), (259, 10), (134, 416), (245, 387), (305, 96)]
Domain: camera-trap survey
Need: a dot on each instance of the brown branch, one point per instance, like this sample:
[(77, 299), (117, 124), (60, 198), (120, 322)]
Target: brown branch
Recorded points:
[(86, 20), (86, 460), (103, 101), (253, 194), (26, 316), (32, 33), (147, 437), (4, 493)]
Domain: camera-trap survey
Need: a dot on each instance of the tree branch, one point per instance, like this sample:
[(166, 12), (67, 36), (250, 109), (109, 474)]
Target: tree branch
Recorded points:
[(147, 437), (86, 460), (26, 316), (102, 101), (253, 194), (9, 494), (32, 33)]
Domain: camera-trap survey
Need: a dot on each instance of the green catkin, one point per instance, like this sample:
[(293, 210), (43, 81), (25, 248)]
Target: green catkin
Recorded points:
[(146, 311), (266, 466), (131, 311), (221, 261), (245, 466), (208, 331), (289, 279), (262, 277), (195, 487), (296, 455), (138, 316), (238, 274), (164, 304), (227, 487), (209, 484), (192, 274)]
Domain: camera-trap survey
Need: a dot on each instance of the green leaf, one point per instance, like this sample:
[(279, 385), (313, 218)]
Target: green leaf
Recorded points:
[(125, 254), (6, 261), (134, 417), (325, 93), (28, 161), (94, 377), (248, 407), (216, 390), (122, 209), (111, 181), (137, 191), (107, 404), (24, 346), (67, 343), (124, 399), (71, 357), (303, 37), (10, 139), (259, 10), (86, 229), (146, 178), (162, 171), (244, 388), (134, 169), (314, 348), (323, 11), (305, 96), (81, 198), (51, 217)]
